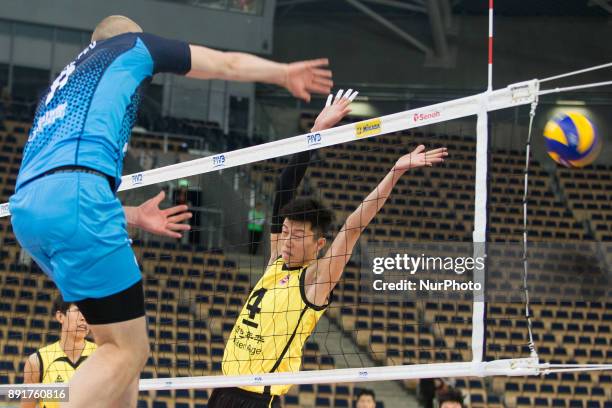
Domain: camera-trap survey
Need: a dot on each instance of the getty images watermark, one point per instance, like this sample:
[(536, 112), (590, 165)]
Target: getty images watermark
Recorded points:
[(492, 272), (414, 265)]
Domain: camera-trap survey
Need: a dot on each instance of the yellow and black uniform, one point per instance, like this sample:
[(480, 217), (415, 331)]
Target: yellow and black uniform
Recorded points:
[(271, 330), (56, 367)]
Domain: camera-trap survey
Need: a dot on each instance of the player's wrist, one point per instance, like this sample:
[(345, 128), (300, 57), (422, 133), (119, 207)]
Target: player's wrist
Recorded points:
[(399, 170), (284, 82), (317, 128), (321, 124), (129, 215), (135, 217)]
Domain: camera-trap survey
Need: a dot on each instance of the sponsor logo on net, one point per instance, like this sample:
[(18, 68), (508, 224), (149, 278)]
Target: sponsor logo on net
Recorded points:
[(423, 117), (313, 139), (137, 179), (4, 210), (368, 128), (218, 160)]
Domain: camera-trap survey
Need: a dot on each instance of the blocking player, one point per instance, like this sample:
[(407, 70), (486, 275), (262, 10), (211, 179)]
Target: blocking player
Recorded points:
[(294, 291)]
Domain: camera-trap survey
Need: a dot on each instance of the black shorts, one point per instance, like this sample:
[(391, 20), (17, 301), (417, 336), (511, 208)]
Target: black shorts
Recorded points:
[(239, 398), (120, 307)]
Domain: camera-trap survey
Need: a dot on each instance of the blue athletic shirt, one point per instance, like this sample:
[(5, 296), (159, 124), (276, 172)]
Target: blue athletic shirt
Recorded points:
[(86, 116)]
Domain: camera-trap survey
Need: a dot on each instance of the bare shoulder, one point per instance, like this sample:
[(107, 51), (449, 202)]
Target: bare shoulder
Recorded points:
[(32, 369)]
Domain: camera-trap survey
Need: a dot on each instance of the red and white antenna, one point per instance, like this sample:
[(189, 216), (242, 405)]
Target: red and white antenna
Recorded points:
[(490, 73)]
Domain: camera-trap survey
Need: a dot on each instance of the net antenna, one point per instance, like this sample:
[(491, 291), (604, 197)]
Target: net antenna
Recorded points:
[(490, 63)]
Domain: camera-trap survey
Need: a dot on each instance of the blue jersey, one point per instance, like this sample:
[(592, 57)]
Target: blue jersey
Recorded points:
[(86, 116)]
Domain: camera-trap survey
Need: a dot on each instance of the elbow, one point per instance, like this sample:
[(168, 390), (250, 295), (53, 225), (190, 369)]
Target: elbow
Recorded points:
[(231, 66)]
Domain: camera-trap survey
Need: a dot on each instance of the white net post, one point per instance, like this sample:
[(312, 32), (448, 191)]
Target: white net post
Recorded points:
[(480, 230)]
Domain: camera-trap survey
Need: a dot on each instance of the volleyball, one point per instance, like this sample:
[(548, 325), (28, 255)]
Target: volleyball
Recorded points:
[(572, 140)]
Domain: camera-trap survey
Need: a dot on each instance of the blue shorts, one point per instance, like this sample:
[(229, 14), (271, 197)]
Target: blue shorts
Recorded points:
[(74, 227)]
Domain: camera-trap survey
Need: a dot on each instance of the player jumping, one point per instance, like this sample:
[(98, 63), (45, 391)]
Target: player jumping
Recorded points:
[(65, 212), (294, 291)]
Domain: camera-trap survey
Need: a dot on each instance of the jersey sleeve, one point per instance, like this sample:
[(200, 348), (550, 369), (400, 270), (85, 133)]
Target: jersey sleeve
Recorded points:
[(171, 56)]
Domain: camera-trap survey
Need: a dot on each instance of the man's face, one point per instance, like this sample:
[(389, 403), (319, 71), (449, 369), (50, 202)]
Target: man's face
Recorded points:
[(366, 401), (299, 244), (450, 404), (73, 322)]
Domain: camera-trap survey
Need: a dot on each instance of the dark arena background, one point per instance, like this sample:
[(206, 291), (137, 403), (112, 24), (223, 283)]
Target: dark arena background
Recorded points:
[(538, 333)]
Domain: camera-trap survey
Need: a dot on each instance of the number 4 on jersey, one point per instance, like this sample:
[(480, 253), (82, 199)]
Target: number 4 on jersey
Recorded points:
[(253, 307)]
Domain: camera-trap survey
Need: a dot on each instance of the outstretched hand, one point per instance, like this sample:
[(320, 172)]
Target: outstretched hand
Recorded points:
[(168, 222), (306, 77), (420, 158), (335, 110)]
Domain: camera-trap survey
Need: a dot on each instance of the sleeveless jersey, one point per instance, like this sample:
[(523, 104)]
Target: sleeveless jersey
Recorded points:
[(271, 330), (56, 367)]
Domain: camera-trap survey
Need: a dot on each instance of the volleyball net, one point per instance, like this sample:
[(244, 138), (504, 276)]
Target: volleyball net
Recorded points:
[(490, 204)]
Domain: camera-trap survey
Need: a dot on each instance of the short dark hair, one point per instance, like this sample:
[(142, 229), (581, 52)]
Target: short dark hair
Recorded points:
[(450, 395), (307, 209), (366, 392), (59, 305)]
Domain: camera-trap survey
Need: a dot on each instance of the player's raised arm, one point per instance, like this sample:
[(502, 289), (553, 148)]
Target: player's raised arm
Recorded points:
[(324, 274), (300, 78), (291, 177), (285, 189)]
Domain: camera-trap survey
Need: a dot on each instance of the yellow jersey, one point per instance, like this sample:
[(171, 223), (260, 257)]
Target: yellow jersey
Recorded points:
[(271, 330), (56, 367)]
